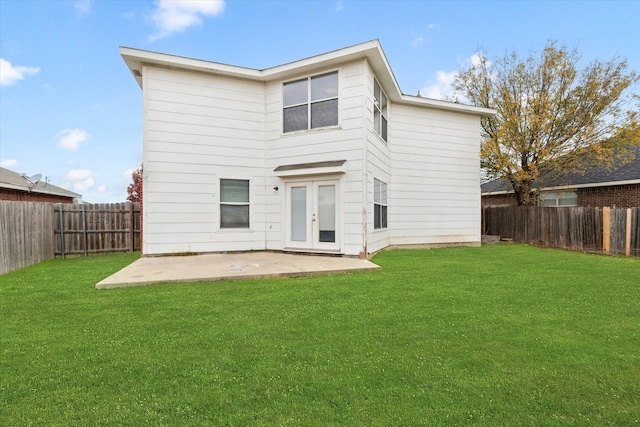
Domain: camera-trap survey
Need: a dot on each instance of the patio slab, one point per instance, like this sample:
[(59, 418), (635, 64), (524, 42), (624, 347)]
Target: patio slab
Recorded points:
[(211, 267)]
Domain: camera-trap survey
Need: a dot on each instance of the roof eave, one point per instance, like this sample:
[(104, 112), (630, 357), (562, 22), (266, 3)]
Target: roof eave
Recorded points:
[(448, 106), (371, 51), (136, 58), (571, 187)]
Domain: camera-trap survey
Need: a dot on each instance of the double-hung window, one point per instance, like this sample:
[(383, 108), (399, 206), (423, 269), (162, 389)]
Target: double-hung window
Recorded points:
[(311, 103), (379, 204), (379, 111), (234, 203)]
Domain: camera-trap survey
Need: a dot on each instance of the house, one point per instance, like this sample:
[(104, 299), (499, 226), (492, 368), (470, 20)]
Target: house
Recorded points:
[(616, 186), (322, 155), (23, 188)]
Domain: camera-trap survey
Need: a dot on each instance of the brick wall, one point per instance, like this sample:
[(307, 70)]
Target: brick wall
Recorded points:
[(499, 200), (620, 196), (22, 196)]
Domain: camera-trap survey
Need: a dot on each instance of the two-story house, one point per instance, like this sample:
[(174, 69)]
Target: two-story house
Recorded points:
[(324, 155)]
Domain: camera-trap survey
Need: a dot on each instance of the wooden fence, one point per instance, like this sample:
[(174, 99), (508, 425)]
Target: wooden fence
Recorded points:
[(603, 230), (26, 234), (83, 229), (34, 232)]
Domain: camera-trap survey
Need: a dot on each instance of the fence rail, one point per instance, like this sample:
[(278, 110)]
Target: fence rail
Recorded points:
[(604, 230), (32, 232), (97, 228)]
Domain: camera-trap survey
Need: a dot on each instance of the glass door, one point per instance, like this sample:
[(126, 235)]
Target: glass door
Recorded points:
[(312, 215)]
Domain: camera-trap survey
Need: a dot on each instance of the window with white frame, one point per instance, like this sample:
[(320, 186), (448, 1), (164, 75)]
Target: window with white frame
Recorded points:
[(379, 204), (310, 103), (234, 203), (379, 111), (558, 198)]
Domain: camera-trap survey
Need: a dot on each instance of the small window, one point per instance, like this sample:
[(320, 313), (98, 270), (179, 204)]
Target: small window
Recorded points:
[(310, 103), (558, 199), (234, 203), (379, 204), (379, 111)]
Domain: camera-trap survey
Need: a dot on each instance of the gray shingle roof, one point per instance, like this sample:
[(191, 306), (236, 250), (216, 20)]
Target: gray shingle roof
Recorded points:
[(630, 171), (14, 181)]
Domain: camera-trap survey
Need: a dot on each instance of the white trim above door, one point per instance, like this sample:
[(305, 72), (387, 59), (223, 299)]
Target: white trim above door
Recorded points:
[(313, 217)]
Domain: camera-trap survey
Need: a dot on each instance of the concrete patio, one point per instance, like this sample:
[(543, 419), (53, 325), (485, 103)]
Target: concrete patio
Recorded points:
[(211, 267)]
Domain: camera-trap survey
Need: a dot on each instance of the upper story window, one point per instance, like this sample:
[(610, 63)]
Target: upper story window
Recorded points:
[(379, 111), (311, 103)]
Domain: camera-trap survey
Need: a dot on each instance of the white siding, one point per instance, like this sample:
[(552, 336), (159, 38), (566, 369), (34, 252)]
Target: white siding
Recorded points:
[(200, 129), (378, 166), (344, 142), (434, 194)]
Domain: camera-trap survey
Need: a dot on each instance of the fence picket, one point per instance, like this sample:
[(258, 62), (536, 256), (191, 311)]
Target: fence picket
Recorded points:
[(32, 232), (576, 228)]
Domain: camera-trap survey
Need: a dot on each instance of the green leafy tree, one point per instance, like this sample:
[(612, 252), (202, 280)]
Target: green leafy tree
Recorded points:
[(552, 116), (135, 188)]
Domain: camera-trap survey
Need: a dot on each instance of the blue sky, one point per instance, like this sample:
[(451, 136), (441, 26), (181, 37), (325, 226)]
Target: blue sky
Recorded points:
[(70, 110)]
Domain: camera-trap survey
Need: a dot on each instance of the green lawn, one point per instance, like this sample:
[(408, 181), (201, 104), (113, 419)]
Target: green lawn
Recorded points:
[(498, 335)]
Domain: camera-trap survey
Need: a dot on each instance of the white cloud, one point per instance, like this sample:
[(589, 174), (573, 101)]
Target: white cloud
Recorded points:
[(476, 59), (70, 139), (84, 185), (83, 6), (173, 16), (442, 87), (10, 74), (129, 172), (79, 174), (102, 189), (339, 6), (417, 41), (7, 163)]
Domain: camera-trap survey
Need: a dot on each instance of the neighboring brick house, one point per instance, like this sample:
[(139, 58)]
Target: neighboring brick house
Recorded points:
[(17, 188), (601, 186)]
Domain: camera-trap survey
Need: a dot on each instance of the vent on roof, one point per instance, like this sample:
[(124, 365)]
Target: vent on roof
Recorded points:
[(137, 73)]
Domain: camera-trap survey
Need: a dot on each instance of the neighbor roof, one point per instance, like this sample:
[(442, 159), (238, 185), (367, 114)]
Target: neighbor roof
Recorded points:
[(599, 176), (14, 181), (372, 50)]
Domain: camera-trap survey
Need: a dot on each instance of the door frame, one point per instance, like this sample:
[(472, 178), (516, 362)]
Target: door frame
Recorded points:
[(312, 243)]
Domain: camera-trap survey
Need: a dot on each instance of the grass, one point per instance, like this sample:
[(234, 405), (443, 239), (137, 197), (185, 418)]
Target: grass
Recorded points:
[(499, 335)]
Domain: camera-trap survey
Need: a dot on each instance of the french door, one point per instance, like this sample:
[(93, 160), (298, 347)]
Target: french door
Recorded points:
[(312, 215)]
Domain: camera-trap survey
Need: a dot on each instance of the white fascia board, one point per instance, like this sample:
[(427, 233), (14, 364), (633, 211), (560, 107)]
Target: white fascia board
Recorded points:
[(448, 106), (593, 184), (498, 193), (572, 187), (371, 51), (136, 58)]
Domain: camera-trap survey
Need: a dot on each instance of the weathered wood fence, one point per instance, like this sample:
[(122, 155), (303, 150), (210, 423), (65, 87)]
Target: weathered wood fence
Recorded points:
[(83, 229), (26, 234), (603, 230), (34, 232)]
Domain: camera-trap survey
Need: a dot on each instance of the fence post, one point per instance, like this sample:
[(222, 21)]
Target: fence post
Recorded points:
[(628, 240), (606, 229), (131, 226), (84, 230), (61, 232)]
